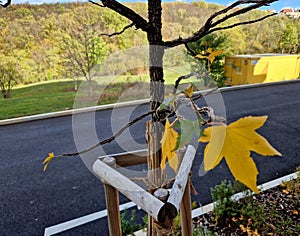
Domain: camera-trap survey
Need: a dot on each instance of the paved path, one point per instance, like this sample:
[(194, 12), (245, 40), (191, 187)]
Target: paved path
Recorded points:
[(31, 200)]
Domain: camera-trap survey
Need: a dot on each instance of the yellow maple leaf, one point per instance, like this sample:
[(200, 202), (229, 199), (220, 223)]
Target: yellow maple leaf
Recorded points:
[(213, 55), (235, 142), (209, 50), (168, 143), (48, 160), (189, 91), (201, 56)]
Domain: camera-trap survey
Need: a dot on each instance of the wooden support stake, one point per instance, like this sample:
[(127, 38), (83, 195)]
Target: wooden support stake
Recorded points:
[(112, 203), (186, 211), (153, 160), (162, 194), (131, 158), (169, 211), (130, 189), (182, 177)]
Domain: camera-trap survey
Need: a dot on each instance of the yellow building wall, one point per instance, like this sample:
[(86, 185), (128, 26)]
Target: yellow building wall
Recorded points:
[(250, 69)]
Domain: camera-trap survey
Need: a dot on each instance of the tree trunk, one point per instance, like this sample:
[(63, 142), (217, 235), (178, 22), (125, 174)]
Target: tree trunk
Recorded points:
[(90, 88), (156, 55), (157, 94), (157, 88)]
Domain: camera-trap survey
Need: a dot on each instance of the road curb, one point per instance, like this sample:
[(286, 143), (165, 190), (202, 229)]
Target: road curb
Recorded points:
[(71, 112), (125, 104), (209, 207)]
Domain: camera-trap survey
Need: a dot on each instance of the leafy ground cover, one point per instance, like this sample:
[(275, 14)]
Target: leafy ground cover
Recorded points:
[(272, 212)]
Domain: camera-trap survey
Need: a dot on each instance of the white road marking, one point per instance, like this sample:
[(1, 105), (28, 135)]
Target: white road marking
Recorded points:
[(82, 220)]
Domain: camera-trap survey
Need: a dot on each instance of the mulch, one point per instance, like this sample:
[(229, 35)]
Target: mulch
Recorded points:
[(281, 216)]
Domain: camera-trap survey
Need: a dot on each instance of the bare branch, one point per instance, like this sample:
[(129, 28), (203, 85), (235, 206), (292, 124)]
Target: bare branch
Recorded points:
[(97, 4), (235, 4), (112, 138), (185, 77), (118, 33), (126, 126), (190, 50), (6, 4), (209, 25), (242, 23), (242, 11), (137, 20)]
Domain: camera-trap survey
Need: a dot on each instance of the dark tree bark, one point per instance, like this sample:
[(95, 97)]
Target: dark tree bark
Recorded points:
[(156, 53)]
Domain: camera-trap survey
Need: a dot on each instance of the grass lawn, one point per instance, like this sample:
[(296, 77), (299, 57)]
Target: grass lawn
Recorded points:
[(38, 98), (59, 95)]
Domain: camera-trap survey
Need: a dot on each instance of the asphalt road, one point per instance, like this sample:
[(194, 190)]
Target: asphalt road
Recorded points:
[(31, 200)]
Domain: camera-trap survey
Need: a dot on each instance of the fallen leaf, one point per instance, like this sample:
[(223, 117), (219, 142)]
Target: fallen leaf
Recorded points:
[(243, 229), (48, 160), (255, 232), (285, 191), (168, 142), (235, 142), (295, 212)]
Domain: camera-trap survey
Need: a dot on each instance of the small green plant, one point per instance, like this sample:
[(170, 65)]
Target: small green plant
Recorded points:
[(199, 231), (225, 207), (246, 214), (129, 226)]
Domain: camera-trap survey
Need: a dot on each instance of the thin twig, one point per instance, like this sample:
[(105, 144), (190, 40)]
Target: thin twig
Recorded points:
[(242, 23), (120, 32), (190, 50), (201, 95), (125, 11), (96, 3), (120, 131), (184, 77), (110, 139)]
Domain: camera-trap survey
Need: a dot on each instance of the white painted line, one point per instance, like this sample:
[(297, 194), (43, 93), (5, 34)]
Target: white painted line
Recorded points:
[(82, 220), (124, 104)]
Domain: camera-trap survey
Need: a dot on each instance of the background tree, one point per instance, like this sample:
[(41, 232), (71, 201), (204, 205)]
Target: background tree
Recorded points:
[(30, 33), (289, 40), (208, 55), (82, 47), (9, 75)]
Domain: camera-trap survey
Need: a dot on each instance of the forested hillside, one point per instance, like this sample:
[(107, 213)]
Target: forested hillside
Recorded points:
[(53, 41)]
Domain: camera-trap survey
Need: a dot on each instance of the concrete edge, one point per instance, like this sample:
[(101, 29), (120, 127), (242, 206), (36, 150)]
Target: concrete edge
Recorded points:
[(71, 112), (125, 104)]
